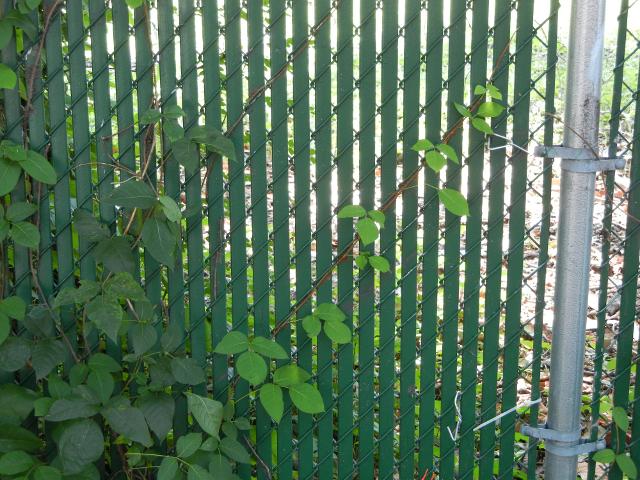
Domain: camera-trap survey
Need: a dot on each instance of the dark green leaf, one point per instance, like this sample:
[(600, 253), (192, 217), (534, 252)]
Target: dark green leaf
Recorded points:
[(42, 406), (69, 409), (20, 210), (311, 325), (379, 263), (45, 472), (352, 211), (106, 314), (128, 421), (207, 412), (435, 160), (87, 290), (132, 194), (6, 32), (9, 175), (151, 115), (12, 463), (307, 398), (46, 354), (627, 466), (329, 312), (160, 241), (173, 111), (188, 444), (173, 130), (367, 230), (604, 456), (234, 450), (122, 285), (170, 208), (158, 409), (8, 77), (16, 403), (242, 423), (5, 328), (422, 145), (25, 234), (337, 332), (210, 445), (168, 469), (268, 348), (80, 443), (620, 418), (186, 153), (221, 466), (172, 338), (233, 342), (58, 388), (102, 384), (101, 361), (115, 253), (88, 226), (143, 337), (14, 437), (39, 168), (14, 353), (214, 140), (196, 472), (272, 401), (187, 371), (13, 307), (288, 375), (251, 367), (453, 201)]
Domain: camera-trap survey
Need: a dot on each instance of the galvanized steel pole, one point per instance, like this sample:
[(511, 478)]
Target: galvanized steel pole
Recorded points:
[(574, 236)]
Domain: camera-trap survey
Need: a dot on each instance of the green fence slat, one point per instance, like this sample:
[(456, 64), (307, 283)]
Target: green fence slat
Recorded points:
[(259, 225), (175, 287), (511, 349), (388, 162), (280, 175), (324, 234), (472, 251), (409, 255), (495, 233), (456, 83), (344, 159), (192, 186)]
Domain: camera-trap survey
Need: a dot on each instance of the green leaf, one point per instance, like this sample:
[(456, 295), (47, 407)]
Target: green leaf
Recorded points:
[(80, 444), (69, 409), (214, 140), (494, 92), (5, 328), (490, 109), (352, 211), (604, 456), (25, 234), (14, 353), (12, 463), (88, 289), (171, 339), (16, 403), (627, 466), (186, 153), (78, 374), (20, 211), (221, 466), (482, 126), (102, 384), (620, 418), (115, 253), (160, 241), (462, 110), (449, 152), (268, 348), (453, 201), (367, 230), (8, 77), (39, 168), (151, 115), (272, 401), (173, 111), (88, 226), (127, 421), (307, 398), (101, 361), (187, 371), (158, 409), (291, 374), (422, 145), (251, 367), (132, 194), (46, 354), (311, 325), (361, 261), (207, 412), (479, 90), (379, 263), (143, 337), (377, 216), (196, 472), (232, 343), (45, 472), (58, 388), (13, 307), (234, 450), (9, 175), (42, 406), (329, 312), (337, 332), (170, 208), (435, 160), (14, 437), (188, 444), (122, 285), (106, 314), (6, 32), (168, 468), (210, 445), (134, 3), (242, 423)]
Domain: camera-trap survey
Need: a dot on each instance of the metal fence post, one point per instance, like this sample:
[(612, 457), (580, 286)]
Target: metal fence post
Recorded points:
[(574, 238)]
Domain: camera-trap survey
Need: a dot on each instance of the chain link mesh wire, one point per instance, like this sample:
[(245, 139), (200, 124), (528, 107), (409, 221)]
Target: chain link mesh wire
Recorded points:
[(323, 101)]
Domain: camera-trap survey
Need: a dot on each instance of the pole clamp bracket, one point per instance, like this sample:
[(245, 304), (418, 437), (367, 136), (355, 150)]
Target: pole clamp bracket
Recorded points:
[(581, 160), (582, 447)]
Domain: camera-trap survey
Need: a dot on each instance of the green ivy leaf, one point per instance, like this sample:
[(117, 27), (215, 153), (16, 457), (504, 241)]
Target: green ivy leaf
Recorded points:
[(39, 168), (106, 314), (251, 367), (9, 175), (149, 116), (307, 398), (352, 211), (604, 456), (160, 241), (449, 152), (170, 208), (268, 348), (626, 464), (45, 472), (102, 384), (329, 312), (13, 307), (462, 110), (80, 444), (234, 450), (207, 412), (46, 354), (158, 409), (490, 109), (101, 361), (188, 444), (187, 371), (311, 325), (20, 211), (14, 353), (367, 230), (12, 463), (435, 160), (232, 343), (620, 418), (422, 145), (272, 400), (132, 194), (337, 332), (453, 201), (8, 77), (482, 126), (25, 234), (115, 253), (127, 421), (379, 263), (168, 469), (70, 409), (291, 374)]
